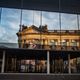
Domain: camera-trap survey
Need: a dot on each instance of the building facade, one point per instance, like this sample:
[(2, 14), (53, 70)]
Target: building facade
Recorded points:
[(41, 38)]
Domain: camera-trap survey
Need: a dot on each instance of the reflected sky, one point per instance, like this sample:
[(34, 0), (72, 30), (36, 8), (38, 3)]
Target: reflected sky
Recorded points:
[(10, 21)]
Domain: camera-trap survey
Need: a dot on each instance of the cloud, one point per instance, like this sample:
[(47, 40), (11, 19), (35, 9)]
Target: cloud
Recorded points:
[(69, 21), (7, 35), (2, 31), (52, 22), (11, 18), (9, 25)]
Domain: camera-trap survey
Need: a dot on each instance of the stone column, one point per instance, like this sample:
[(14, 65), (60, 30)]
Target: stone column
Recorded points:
[(69, 44)]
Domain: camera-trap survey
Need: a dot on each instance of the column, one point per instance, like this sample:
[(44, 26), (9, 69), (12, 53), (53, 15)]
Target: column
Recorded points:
[(48, 63), (69, 66), (70, 42), (3, 62)]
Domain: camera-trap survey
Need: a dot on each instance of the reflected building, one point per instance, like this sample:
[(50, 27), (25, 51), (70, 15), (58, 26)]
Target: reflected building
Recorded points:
[(41, 38)]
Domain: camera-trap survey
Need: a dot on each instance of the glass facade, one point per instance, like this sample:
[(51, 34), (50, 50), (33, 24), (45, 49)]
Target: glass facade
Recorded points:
[(40, 32)]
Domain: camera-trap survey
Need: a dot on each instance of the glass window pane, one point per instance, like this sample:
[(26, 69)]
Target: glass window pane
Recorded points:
[(69, 21), (51, 19), (10, 20)]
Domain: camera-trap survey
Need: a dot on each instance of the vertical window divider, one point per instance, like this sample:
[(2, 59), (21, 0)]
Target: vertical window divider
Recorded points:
[(0, 14), (21, 15), (78, 28), (40, 29), (60, 20), (33, 17)]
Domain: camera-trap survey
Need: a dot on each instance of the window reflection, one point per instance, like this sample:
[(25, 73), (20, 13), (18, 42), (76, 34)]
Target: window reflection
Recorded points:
[(27, 66), (10, 25), (69, 21), (73, 65), (78, 65), (33, 66), (18, 64)]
